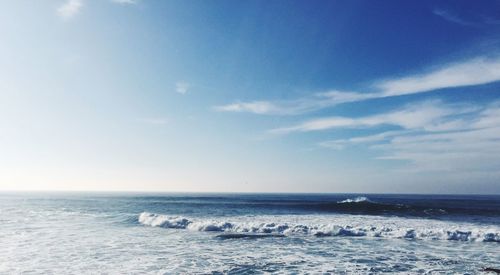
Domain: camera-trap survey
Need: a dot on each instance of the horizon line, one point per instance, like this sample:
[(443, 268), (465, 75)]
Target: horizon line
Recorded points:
[(240, 192)]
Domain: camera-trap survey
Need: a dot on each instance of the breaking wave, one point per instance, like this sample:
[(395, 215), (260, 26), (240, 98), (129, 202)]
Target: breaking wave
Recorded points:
[(244, 229), (355, 200)]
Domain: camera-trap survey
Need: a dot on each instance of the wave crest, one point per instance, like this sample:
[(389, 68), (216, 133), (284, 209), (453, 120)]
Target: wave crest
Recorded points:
[(318, 230), (355, 200), (152, 219)]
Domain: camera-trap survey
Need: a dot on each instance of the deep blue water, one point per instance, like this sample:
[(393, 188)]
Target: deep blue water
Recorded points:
[(468, 207)]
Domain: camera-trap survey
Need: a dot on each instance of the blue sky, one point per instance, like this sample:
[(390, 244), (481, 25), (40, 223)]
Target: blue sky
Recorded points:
[(254, 96)]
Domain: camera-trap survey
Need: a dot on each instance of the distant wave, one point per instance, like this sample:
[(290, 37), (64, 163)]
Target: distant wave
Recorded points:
[(365, 206), (355, 200), (320, 230)]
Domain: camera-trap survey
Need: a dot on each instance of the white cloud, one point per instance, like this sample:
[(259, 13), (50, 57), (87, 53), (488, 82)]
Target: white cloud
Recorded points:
[(337, 97), (477, 149), (424, 115), (326, 123), (294, 107), (182, 87), (257, 107), (338, 144), (471, 145), (70, 8), (470, 72)]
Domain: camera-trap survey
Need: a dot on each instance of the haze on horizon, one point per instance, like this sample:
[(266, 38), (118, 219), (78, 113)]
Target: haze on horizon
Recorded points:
[(254, 96)]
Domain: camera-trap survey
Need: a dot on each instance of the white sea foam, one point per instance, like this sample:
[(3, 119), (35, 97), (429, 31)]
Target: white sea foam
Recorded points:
[(356, 199), (163, 221), (324, 226)]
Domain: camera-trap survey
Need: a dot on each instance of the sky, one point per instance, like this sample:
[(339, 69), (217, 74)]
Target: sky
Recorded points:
[(250, 96)]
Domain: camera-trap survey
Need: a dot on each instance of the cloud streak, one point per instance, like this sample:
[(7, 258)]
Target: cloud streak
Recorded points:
[(471, 72), (452, 17), (428, 115), (294, 107), (468, 143)]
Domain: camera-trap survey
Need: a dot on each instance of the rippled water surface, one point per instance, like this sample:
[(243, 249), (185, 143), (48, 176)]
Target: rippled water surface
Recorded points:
[(68, 233)]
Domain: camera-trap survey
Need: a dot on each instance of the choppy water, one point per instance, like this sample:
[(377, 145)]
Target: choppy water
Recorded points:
[(69, 233)]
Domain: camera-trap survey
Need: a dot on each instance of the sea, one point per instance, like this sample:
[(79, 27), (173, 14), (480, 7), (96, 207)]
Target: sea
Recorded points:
[(209, 233)]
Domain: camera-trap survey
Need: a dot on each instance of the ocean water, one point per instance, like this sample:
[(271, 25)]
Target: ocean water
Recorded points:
[(119, 233)]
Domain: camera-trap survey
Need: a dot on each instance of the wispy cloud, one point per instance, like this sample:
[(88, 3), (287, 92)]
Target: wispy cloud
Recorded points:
[(182, 87), (296, 106), (475, 71), (453, 17), (338, 144), (456, 18), (471, 72), (426, 115), (70, 8), (463, 150), (257, 107), (468, 143)]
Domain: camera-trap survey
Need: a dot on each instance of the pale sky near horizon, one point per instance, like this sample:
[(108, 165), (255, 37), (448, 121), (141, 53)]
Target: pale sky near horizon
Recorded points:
[(253, 96)]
